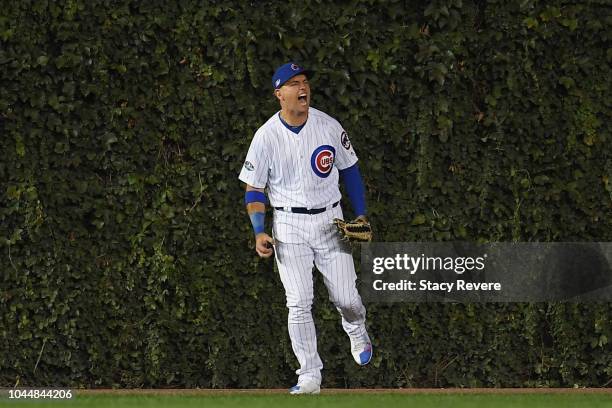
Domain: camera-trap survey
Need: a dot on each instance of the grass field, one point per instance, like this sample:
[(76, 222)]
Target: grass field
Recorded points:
[(344, 400)]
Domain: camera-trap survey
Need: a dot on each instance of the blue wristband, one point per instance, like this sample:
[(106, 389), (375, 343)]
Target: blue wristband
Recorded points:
[(257, 219), (254, 197)]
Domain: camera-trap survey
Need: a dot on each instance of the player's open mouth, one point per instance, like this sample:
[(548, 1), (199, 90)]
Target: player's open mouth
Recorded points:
[(303, 98)]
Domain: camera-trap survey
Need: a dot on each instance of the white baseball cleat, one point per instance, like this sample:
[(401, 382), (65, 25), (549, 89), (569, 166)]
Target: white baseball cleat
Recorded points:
[(361, 348), (305, 387)]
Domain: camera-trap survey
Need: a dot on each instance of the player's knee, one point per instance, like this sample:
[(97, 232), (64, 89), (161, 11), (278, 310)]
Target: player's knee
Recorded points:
[(300, 312), (343, 302)]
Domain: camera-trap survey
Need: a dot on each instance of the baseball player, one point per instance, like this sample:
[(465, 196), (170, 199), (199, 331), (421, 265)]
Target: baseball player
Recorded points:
[(299, 155)]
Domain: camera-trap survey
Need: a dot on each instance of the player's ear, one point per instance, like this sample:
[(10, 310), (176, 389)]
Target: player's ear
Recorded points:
[(277, 93)]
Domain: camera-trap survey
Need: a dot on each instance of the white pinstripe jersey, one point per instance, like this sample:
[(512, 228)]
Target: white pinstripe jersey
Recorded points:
[(300, 170)]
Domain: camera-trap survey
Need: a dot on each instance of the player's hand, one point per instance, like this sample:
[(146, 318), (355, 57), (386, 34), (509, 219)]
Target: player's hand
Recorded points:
[(263, 245)]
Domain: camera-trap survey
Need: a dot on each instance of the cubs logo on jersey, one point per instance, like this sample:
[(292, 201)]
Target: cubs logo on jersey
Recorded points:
[(322, 160)]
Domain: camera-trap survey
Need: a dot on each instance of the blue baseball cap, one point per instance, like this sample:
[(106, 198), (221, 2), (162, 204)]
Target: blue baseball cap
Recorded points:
[(288, 71)]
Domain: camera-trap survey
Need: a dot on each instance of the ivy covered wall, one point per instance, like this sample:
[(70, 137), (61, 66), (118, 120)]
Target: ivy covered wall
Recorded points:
[(126, 255)]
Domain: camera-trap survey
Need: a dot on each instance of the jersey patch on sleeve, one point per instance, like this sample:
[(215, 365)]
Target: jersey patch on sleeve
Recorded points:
[(344, 139), (249, 166), (322, 160)]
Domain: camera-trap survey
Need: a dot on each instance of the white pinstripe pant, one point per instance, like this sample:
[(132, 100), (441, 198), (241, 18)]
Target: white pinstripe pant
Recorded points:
[(304, 240)]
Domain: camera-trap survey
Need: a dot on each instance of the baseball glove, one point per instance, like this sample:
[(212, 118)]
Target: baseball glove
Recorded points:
[(357, 230)]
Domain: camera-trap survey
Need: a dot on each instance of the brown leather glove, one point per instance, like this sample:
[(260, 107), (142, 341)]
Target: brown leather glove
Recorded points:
[(357, 230)]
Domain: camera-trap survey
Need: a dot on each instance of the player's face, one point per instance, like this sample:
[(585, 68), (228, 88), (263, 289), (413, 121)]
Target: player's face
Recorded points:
[(294, 95)]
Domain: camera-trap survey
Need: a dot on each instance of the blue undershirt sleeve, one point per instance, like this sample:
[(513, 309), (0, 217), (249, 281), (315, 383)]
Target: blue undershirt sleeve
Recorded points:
[(351, 177)]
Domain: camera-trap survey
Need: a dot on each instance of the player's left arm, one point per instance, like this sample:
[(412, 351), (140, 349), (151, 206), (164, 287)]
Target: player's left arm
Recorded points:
[(355, 189), (346, 162)]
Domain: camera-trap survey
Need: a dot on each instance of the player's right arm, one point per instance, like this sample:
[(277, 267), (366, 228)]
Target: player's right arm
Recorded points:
[(255, 200), (254, 174)]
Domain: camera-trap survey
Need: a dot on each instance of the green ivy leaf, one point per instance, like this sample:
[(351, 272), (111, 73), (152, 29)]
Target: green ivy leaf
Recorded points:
[(418, 219)]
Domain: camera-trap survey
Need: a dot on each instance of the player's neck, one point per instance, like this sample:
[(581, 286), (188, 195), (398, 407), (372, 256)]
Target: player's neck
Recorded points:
[(292, 118)]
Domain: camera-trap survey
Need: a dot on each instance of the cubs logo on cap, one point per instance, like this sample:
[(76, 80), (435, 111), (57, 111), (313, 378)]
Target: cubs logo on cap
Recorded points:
[(287, 71), (322, 160)]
